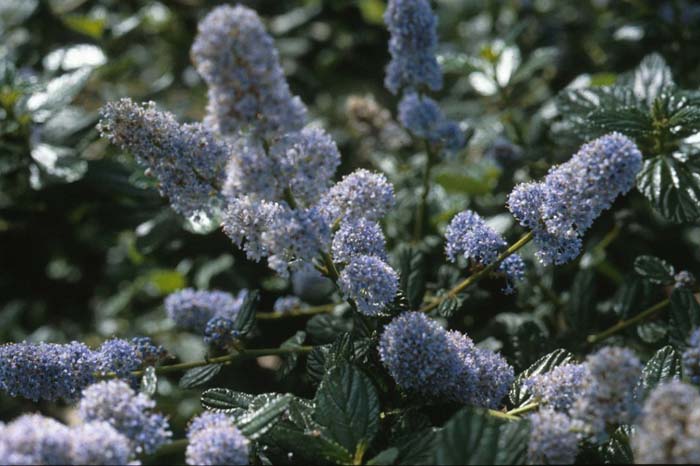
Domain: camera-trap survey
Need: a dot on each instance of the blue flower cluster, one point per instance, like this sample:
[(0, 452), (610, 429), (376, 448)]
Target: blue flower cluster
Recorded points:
[(220, 332), (130, 413), (668, 431), (239, 62), (370, 282), (118, 356), (187, 160), (468, 236), (358, 237), (608, 390), (560, 387), (286, 303), (149, 353), (35, 439), (554, 438), (691, 358), (213, 439), (423, 117), (425, 359), (191, 309), (684, 279), (561, 208), (361, 194)]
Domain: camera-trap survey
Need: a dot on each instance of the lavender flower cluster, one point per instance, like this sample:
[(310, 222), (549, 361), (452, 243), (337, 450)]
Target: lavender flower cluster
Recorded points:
[(213, 439), (561, 208), (427, 360)]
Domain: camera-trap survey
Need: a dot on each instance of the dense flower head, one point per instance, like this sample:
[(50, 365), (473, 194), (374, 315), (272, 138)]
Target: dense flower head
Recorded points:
[(117, 355), (220, 332), (300, 164), (150, 353), (470, 237), (361, 194), (668, 431), (413, 45), (46, 371), (691, 358), (425, 359), (608, 389), (187, 160), (357, 237), (561, 208), (553, 438), (35, 439), (370, 282), (213, 439), (423, 117), (192, 309), (239, 63), (286, 303), (560, 387), (130, 413), (684, 279), (99, 443)]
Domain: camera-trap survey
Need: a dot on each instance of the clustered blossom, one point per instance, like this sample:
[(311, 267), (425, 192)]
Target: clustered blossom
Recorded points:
[(608, 389), (413, 45), (148, 352), (684, 279), (35, 439), (361, 194), (691, 358), (130, 413), (357, 237), (561, 208), (423, 117), (425, 359), (118, 356), (554, 438), (46, 371), (191, 309), (187, 160), (213, 439), (370, 282), (468, 236), (239, 62), (220, 332), (560, 387), (286, 304), (668, 431)]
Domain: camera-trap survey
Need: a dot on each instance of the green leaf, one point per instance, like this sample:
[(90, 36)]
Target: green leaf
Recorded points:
[(672, 185), (58, 93), (223, 399), (412, 273), (198, 376), (519, 395), (664, 366), (654, 269), (475, 180), (347, 407), (473, 437), (245, 319), (449, 306), (289, 361), (651, 78), (581, 306), (618, 449), (685, 316), (324, 328), (385, 457), (316, 362), (255, 424), (56, 163), (633, 295)]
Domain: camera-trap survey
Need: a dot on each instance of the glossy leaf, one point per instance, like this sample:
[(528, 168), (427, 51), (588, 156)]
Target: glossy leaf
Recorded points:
[(198, 376), (672, 185), (519, 395), (664, 366)]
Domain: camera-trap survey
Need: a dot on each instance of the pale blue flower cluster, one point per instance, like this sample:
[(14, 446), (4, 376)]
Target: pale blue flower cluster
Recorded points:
[(427, 360), (413, 46), (191, 309), (46, 371), (361, 194), (423, 117), (468, 236), (370, 282), (220, 332), (239, 62), (560, 387), (187, 160), (357, 237), (561, 208), (148, 352), (691, 358), (684, 279), (554, 438), (668, 431), (286, 303), (213, 439), (118, 356), (608, 390), (130, 413), (35, 439)]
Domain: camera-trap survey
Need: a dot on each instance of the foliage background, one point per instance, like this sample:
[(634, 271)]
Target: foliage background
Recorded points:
[(88, 248)]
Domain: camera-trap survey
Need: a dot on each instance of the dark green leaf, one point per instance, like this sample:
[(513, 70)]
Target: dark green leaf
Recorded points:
[(223, 399), (672, 185), (449, 306), (654, 269), (289, 361), (652, 332), (520, 395), (412, 273), (347, 407), (618, 449), (58, 93), (257, 423), (651, 78), (581, 306), (529, 341), (685, 316), (385, 457), (664, 366), (316, 362), (198, 376), (245, 319), (473, 437), (632, 297), (324, 328)]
